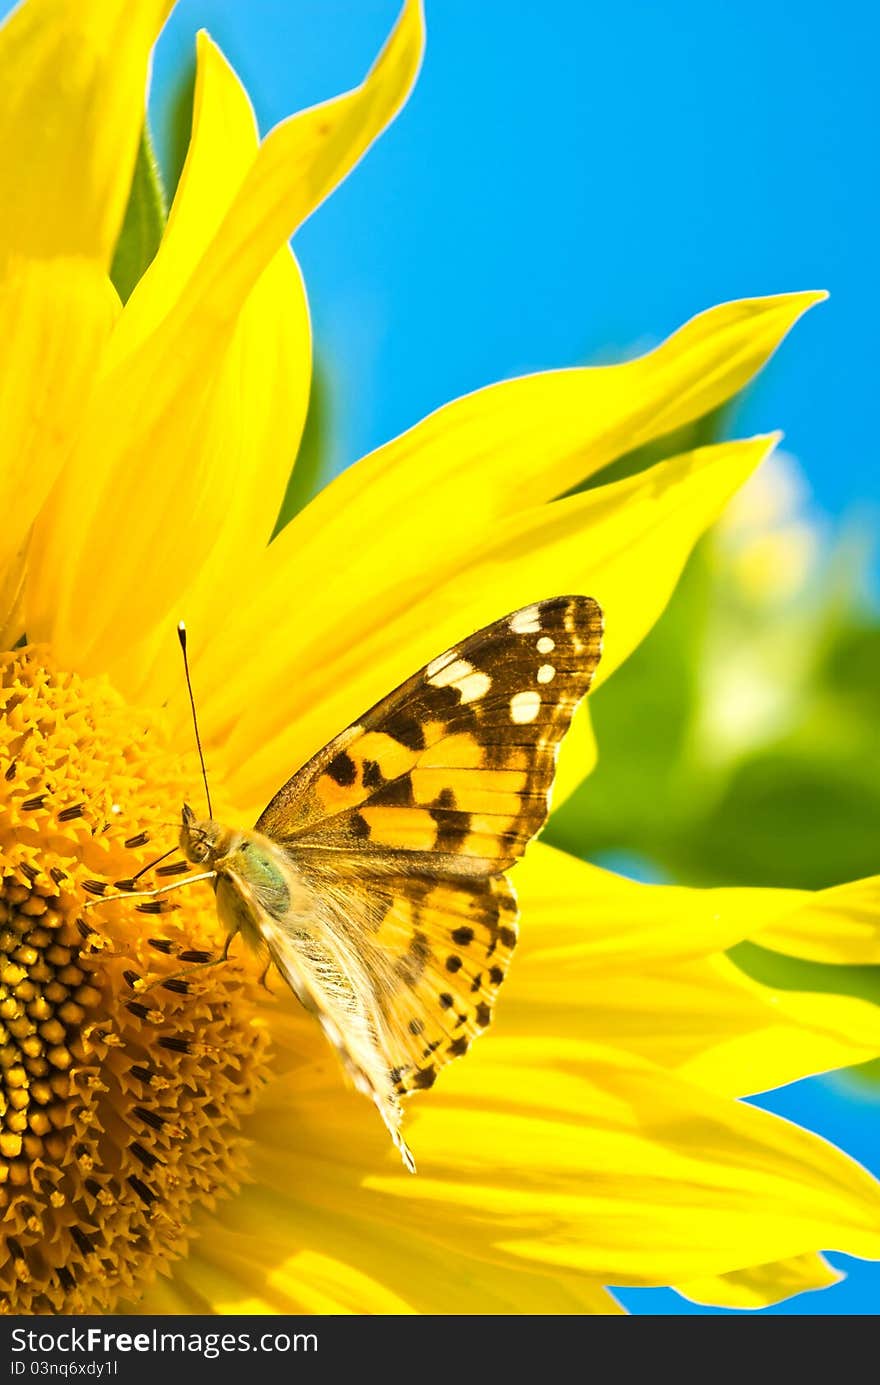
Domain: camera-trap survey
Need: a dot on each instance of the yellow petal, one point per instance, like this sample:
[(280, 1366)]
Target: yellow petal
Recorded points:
[(756, 1038), (273, 1249), (171, 1298), (339, 644), (249, 400), (127, 506), (702, 1019), (286, 1280), (223, 145), (639, 967), (648, 1172), (55, 318), (269, 1254), (762, 1285), (290, 1242), (264, 395), (299, 164), (523, 442), (841, 925), (580, 921), (12, 581), (430, 495), (542, 1152), (73, 76)]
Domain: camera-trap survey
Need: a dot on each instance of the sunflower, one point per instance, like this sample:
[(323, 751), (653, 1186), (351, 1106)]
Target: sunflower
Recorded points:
[(181, 1145)]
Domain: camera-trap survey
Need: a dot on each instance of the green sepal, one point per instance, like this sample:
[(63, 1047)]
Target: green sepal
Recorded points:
[(144, 223)]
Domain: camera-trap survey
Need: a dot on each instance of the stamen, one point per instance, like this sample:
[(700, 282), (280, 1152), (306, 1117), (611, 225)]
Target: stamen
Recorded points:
[(82, 1240), (148, 1160), (141, 1189), (150, 1118), (150, 864)]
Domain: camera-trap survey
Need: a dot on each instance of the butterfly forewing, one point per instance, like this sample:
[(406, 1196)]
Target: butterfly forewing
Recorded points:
[(459, 761), (403, 825)]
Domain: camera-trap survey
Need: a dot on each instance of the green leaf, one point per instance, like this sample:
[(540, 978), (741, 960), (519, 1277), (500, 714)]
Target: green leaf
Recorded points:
[(796, 974), (174, 126), (786, 821), (311, 470), (145, 218), (700, 432)]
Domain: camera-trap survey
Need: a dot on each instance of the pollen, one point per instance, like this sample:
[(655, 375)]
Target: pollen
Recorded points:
[(125, 1069)]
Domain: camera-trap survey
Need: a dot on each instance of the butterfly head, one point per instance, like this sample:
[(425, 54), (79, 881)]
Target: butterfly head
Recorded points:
[(202, 842)]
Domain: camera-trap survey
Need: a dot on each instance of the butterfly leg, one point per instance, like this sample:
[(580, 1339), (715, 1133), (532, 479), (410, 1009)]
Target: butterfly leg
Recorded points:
[(150, 894), (264, 973), (143, 986)]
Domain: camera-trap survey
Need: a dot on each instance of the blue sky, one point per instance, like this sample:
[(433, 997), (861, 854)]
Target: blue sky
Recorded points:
[(572, 181)]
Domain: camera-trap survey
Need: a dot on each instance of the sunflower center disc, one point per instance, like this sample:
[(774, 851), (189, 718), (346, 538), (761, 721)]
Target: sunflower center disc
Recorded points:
[(120, 1106)]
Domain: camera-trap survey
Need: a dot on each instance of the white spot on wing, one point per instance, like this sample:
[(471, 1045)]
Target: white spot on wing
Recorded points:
[(469, 681), (546, 673), (474, 686), (526, 622), (440, 662), (524, 707), (450, 673), (546, 645)]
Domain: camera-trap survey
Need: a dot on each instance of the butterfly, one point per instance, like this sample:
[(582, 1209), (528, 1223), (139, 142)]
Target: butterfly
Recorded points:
[(376, 876)]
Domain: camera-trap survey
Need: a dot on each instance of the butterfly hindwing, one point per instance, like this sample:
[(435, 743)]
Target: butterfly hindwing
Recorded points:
[(454, 941), (436, 949), (400, 972), (401, 829)]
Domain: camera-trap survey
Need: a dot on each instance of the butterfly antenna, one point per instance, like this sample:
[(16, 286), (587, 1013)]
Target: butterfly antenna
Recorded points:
[(181, 635)]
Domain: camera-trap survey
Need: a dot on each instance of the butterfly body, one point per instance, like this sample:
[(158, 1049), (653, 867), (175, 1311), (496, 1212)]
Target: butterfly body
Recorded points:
[(376, 876), (262, 895), (252, 876)]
